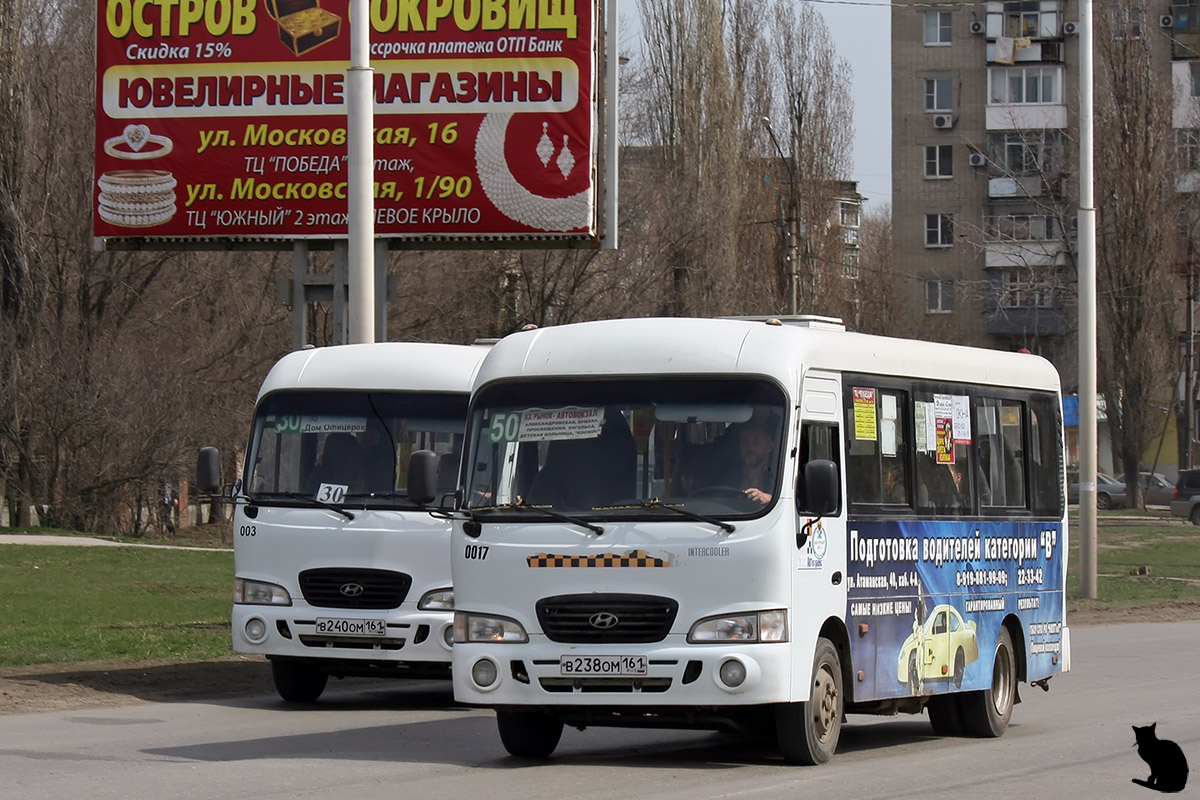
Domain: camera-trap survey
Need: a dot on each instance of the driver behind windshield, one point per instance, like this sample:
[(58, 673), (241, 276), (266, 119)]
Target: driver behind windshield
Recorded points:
[(743, 459)]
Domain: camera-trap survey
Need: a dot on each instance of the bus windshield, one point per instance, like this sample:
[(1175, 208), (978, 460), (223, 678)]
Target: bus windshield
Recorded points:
[(351, 448), (614, 449)]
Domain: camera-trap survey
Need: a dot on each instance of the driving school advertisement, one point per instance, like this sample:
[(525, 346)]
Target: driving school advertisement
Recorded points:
[(926, 601), (227, 118)]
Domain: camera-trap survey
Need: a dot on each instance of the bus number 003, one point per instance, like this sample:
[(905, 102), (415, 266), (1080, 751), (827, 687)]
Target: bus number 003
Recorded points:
[(476, 551), (246, 530)]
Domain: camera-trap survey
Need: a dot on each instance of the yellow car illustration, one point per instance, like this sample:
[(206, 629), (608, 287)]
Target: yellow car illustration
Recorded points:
[(940, 649)]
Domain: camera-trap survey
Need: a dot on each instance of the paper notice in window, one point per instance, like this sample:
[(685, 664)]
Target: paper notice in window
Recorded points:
[(540, 425)]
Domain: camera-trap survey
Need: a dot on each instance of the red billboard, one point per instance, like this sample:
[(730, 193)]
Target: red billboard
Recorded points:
[(227, 119)]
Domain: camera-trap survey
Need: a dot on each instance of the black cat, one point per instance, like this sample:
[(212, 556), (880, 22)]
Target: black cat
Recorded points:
[(1168, 767)]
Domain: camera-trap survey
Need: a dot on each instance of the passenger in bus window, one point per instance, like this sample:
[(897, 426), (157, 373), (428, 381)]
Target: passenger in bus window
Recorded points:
[(957, 490), (894, 491), (378, 457), (340, 463)]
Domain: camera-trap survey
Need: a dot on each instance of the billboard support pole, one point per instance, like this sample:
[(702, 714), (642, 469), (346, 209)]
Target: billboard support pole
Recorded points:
[(299, 292), (360, 123), (612, 62)]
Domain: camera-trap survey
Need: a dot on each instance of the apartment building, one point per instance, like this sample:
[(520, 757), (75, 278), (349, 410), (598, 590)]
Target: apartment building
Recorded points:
[(985, 154)]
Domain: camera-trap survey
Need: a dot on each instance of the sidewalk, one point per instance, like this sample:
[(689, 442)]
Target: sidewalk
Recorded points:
[(91, 541)]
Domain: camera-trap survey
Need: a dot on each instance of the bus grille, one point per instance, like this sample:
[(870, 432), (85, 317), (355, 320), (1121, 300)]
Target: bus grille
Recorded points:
[(606, 618), (354, 587)]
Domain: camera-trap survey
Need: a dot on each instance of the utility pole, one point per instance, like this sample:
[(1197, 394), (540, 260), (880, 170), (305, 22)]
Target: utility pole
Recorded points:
[(793, 233), (1088, 444), (1189, 379)]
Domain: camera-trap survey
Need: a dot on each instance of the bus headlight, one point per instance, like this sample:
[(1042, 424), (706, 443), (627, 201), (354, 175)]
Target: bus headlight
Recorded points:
[(259, 593), (437, 600), (761, 626), (484, 628)]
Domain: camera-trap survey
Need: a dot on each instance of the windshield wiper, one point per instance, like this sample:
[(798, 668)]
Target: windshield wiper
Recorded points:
[(520, 505), (654, 502), (317, 503), (391, 497)]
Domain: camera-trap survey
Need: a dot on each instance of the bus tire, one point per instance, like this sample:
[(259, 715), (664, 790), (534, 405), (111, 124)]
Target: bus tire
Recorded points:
[(945, 715), (298, 681), (986, 713), (528, 734), (808, 733)]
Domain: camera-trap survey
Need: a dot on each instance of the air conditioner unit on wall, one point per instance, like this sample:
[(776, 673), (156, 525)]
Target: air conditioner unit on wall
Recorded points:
[(1070, 28), (977, 160), (978, 27), (1166, 21), (943, 121)]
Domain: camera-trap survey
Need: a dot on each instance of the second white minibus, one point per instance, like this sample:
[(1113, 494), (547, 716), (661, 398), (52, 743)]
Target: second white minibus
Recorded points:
[(739, 524), (338, 571)]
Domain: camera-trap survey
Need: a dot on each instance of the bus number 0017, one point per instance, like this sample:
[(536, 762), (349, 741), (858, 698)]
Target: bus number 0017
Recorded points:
[(476, 551)]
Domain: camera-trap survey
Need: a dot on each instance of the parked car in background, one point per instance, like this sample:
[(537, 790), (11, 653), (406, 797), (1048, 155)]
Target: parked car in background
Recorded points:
[(1157, 490), (1110, 492), (1187, 496)]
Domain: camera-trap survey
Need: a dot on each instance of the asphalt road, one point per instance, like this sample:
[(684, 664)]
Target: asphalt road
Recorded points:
[(410, 741)]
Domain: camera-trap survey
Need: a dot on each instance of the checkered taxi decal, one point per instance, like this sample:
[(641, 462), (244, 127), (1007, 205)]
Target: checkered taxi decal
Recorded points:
[(634, 558)]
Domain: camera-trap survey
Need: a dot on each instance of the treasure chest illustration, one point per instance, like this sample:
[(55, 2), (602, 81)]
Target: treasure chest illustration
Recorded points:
[(303, 24)]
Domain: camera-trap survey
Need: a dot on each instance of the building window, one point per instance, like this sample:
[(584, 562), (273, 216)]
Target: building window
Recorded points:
[(939, 230), (1034, 152), (1187, 148), (850, 264), (1022, 289), (1022, 19), (939, 161), (937, 27), (939, 297), (849, 214), (1013, 85), (1194, 70), (939, 95), (1127, 23), (1021, 228)]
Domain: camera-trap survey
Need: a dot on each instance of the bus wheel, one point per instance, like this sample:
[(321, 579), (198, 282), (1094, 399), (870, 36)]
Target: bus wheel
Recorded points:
[(298, 681), (945, 715), (808, 732), (528, 734), (987, 713), (960, 667)]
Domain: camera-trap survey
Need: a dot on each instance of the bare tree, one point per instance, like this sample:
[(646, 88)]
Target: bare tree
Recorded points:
[(713, 70)]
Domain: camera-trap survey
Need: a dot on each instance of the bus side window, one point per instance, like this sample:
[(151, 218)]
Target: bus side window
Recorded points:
[(1045, 457)]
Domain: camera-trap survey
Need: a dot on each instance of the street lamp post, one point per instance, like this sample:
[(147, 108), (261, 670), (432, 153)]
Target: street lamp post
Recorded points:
[(793, 247)]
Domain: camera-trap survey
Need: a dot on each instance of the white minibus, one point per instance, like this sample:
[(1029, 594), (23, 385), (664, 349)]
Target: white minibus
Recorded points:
[(739, 524), (338, 571)]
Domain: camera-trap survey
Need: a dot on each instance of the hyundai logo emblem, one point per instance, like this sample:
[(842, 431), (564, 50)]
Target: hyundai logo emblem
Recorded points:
[(603, 620), (352, 589)]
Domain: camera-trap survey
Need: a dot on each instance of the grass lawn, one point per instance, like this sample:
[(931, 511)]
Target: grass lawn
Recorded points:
[(67, 604), (1129, 542), (123, 604)]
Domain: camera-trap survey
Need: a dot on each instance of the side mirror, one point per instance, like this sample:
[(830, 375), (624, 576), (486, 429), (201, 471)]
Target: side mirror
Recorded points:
[(422, 477), (208, 470), (817, 494)]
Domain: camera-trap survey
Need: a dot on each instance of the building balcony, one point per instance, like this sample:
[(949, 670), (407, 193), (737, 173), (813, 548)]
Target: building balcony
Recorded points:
[(1024, 321)]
